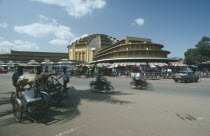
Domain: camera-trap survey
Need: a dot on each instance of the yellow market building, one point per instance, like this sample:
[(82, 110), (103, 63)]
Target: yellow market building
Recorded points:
[(99, 48)]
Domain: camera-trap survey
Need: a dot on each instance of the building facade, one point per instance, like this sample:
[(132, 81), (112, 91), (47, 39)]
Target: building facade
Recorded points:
[(85, 48), (102, 48), (132, 47), (26, 56)]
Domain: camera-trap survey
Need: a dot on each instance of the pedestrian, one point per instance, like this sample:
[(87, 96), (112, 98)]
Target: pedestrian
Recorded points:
[(66, 78)]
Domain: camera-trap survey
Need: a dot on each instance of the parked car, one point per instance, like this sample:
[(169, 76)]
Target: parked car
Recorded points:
[(3, 71), (185, 76)]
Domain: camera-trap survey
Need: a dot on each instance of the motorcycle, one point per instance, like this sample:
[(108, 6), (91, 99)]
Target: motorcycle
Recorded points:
[(101, 86), (141, 84)]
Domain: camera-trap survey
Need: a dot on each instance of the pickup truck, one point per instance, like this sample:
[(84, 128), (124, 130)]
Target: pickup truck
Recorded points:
[(185, 76)]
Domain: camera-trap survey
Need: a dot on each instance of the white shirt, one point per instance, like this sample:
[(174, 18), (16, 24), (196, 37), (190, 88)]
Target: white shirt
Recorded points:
[(137, 76), (65, 76), (132, 74)]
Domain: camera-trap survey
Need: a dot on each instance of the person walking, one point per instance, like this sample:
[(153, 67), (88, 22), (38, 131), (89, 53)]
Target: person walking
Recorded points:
[(66, 78)]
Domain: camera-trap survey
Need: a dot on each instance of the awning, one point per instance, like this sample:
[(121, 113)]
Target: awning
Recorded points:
[(178, 64), (157, 64), (207, 62)]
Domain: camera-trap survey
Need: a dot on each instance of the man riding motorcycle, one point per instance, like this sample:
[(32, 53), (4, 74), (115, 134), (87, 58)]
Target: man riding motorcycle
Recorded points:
[(101, 84), (138, 78), (100, 80)]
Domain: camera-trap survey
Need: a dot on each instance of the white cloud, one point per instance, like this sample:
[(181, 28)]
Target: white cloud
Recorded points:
[(44, 19), (65, 42), (25, 45), (35, 29), (47, 27), (6, 46), (77, 8), (3, 25), (139, 21), (59, 42)]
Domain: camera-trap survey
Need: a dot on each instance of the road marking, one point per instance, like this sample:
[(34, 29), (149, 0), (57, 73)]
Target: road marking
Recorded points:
[(200, 118), (67, 131)]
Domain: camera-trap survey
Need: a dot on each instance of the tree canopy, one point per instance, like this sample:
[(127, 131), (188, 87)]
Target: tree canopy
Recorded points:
[(200, 53)]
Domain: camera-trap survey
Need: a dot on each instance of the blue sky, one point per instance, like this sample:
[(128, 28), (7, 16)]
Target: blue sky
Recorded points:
[(50, 25)]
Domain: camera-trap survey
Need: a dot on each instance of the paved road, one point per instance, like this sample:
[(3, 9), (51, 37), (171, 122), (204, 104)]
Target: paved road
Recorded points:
[(171, 109)]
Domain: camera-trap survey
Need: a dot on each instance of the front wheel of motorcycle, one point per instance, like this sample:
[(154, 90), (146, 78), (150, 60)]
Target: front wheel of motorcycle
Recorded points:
[(133, 85), (93, 88), (110, 89), (149, 86)]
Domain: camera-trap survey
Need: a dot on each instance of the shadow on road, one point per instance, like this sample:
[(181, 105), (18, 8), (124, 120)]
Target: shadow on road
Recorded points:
[(4, 100), (150, 87), (99, 97), (65, 111), (7, 92)]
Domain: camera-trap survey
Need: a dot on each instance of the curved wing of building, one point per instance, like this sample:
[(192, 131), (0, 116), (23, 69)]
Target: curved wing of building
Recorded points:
[(132, 48)]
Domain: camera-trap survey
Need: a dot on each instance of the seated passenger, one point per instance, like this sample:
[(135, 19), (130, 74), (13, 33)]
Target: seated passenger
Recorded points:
[(40, 83)]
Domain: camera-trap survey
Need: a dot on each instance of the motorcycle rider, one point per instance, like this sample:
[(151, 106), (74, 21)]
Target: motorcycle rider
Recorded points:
[(137, 77), (99, 79)]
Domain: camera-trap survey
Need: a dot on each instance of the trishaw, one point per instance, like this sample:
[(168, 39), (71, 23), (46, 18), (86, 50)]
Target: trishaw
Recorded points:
[(55, 89), (28, 97)]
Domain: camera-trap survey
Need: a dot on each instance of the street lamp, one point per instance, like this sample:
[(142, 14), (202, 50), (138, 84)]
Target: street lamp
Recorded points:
[(93, 49)]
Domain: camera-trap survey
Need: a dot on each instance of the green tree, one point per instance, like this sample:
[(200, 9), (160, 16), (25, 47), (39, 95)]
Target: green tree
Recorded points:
[(200, 53)]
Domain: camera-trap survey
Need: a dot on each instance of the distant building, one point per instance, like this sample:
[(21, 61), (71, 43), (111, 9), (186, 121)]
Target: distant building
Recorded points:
[(102, 48), (26, 56)]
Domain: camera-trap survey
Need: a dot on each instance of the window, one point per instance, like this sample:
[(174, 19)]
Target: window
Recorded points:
[(150, 53), (136, 53)]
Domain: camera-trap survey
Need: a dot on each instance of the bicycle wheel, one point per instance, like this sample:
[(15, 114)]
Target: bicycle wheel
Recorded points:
[(17, 111), (13, 96)]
